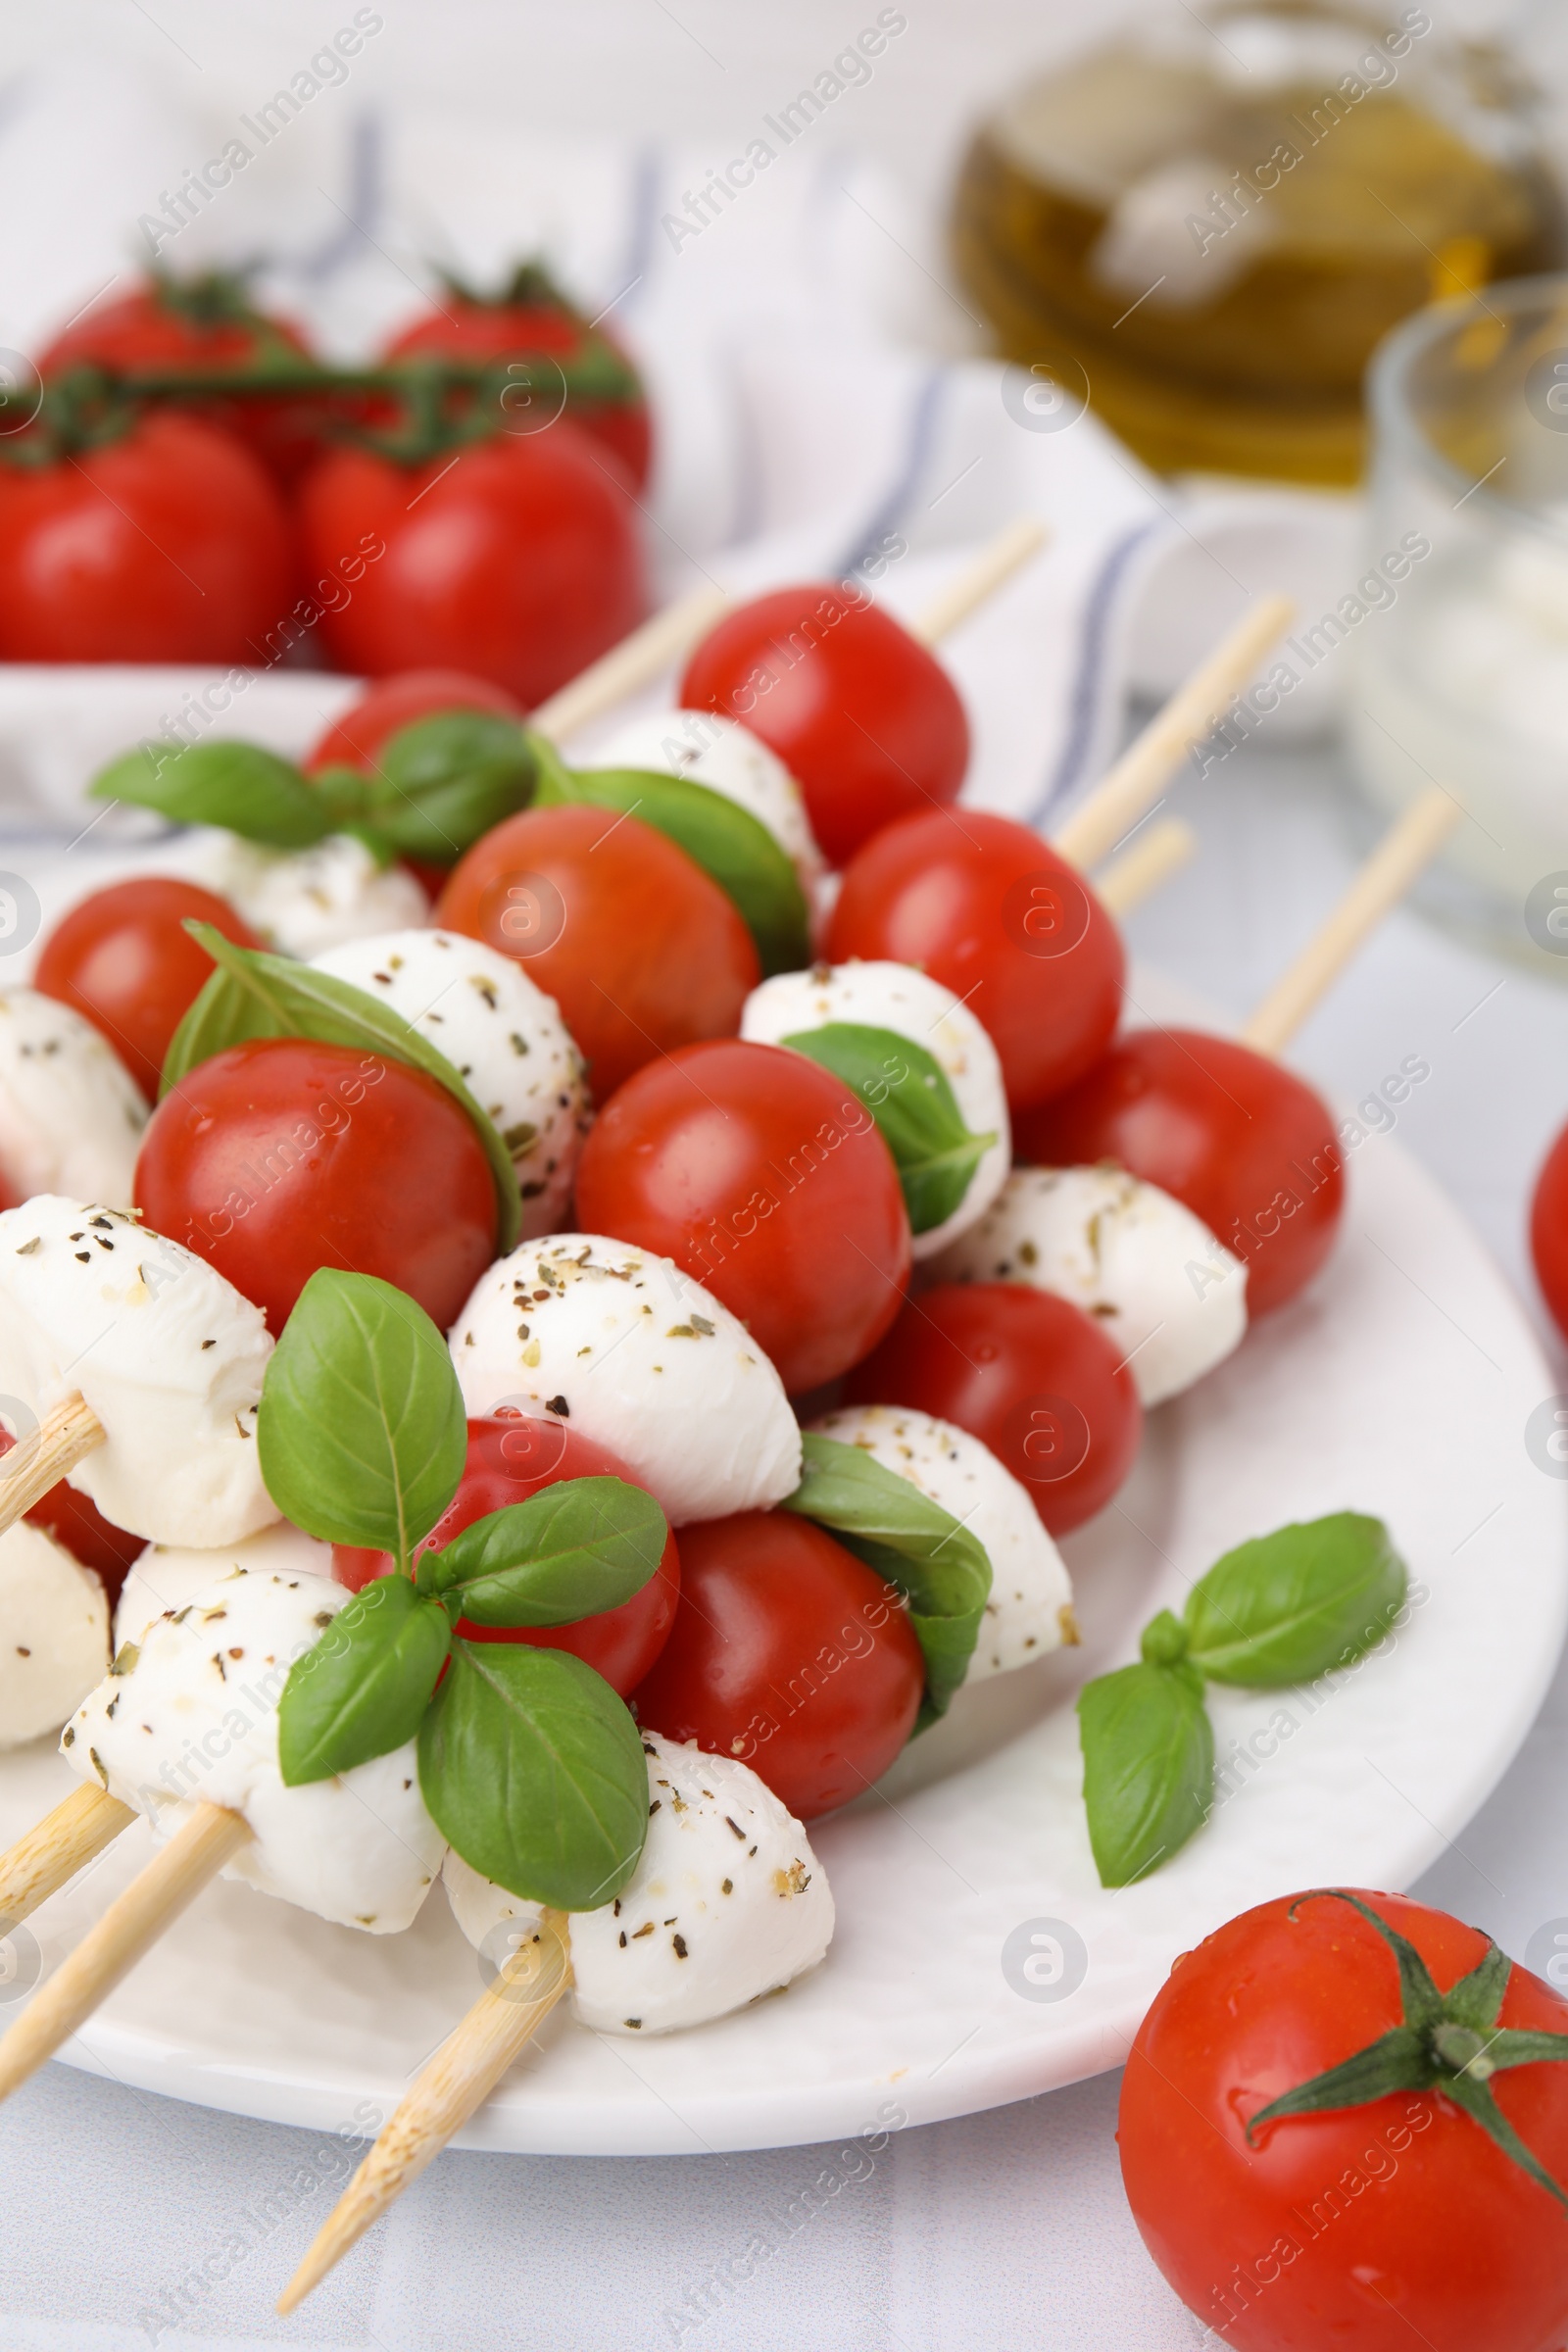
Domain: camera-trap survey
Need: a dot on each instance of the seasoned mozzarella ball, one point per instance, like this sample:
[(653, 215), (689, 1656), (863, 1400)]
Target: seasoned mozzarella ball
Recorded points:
[(54, 1634), (503, 1035), (729, 1903), (896, 997), (189, 1716), (640, 1358), (168, 1574), (1159, 1283), (1030, 1608), (302, 902), (169, 1355), (729, 759), (71, 1113)]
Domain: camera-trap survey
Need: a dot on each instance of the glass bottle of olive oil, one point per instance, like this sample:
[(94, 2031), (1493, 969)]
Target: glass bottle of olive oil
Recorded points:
[(1214, 217)]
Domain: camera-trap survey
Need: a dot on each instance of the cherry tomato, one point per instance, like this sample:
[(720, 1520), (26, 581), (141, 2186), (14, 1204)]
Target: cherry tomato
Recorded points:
[(762, 1174), (509, 1458), (866, 721), (282, 1156), (640, 950), (1386, 2228), (1030, 1375), (123, 958), (1247, 1147), (789, 1653), (518, 559), (167, 545), (1548, 1230), (985, 907), (354, 740), (77, 1523)]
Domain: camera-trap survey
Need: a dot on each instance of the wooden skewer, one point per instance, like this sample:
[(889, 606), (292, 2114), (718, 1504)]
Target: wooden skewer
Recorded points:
[(1145, 865), (460, 2078), (55, 1849), (130, 1926), (1404, 851), (635, 662), (1132, 787), (66, 1433), (994, 565)]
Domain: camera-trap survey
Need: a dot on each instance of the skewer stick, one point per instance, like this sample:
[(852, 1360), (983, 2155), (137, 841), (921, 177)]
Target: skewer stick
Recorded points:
[(1132, 787), (130, 1926), (635, 662), (1009, 551), (1404, 851), (460, 2078), (55, 1849), (1145, 865), (66, 1433)]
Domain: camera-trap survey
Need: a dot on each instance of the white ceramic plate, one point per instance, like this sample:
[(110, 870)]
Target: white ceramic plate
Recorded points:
[(1401, 1385)]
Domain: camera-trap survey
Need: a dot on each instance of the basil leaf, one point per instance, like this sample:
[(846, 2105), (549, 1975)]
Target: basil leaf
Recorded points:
[(910, 1095), (731, 844), (572, 1550), (442, 781), (1290, 1606), (534, 1770), (252, 993), (364, 1688), (362, 1429), (237, 785), (1148, 1765), (943, 1571)]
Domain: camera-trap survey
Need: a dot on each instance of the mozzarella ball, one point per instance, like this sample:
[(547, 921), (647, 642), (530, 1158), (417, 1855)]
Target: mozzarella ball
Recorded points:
[(727, 1904), (169, 1355), (54, 1634), (504, 1037), (729, 759), (896, 997), (302, 902), (639, 1356), (190, 1717), (71, 1113), (1167, 1295), (168, 1574), (1030, 1608)]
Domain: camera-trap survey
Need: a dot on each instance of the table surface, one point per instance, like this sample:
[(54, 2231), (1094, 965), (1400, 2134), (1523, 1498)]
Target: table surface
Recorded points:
[(134, 2220)]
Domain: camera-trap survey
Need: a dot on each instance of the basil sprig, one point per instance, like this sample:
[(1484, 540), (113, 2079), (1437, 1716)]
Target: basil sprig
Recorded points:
[(252, 993), (239, 786), (529, 1764), (1282, 1609), (942, 1570), (910, 1095)]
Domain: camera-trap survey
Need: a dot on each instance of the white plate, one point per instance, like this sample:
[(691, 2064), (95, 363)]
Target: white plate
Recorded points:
[(1400, 1386)]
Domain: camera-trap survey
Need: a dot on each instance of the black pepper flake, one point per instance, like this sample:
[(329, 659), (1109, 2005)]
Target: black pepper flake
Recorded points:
[(736, 1827), (83, 1257), (205, 1344), (617, 1911), (654, 1807), (623, 1939), (679, 1941), (750, 1852), (728, 1887), (558, 1404), (635, 2022)]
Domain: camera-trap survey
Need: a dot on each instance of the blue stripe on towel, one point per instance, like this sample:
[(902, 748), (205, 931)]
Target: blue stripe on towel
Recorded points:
[(1089, 682)]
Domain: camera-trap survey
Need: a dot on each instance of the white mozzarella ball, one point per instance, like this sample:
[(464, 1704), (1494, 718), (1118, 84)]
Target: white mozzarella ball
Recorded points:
[(639, 1356), (169, 1355), (1030, 1608), (190, 1717), (729, 759), (896, 997), (727, 1904), (505, 1038), (168, 1574), (54, 1634), (71, 1113), (1167, 1296), (302, 902)]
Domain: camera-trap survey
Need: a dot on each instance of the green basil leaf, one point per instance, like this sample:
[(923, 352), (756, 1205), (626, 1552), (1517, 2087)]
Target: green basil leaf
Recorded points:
[(575, 1550), (237, 785), (534, 1770), (362, 1428), (442, 781), (943, 1571), (1148, 1765), (1290, 1606), (252, 993), (731, 844), (364, 1688), (910, 1095)]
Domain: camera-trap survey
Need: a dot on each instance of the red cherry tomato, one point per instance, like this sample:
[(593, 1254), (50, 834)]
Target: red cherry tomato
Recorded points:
[(985, 907), (282, 1156), (1247, 1147), (125, 960), (1548, 1230), (789, 1653), (760, 1173), (1383, 2227), (354, 740), (509, 1458), (167, 545), (518, 561), (1028, 1374), (866, 721), (640, 950)]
